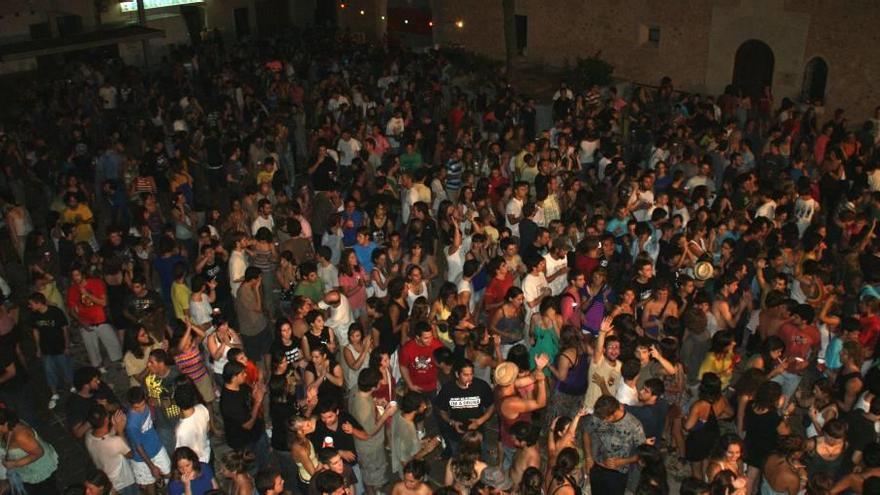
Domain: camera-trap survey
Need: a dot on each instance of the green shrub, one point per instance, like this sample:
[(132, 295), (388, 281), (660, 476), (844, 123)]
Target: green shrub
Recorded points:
[(589, 71)]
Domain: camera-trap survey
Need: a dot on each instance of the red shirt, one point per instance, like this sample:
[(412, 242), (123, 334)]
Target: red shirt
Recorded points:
[(89, 312), (252, 374), (800, 342), (870, 331), (419, 361), (585, 264), (496, 290)]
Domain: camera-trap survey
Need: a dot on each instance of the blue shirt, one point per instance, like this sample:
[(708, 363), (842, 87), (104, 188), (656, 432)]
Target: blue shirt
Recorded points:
[(616, 226), (165, 268), (198, 486), (365, 256), (139, 431), (349, 234), (653, 418), (832, 354)]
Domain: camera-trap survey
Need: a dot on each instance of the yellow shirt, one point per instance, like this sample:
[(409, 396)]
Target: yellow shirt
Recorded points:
[(180, 295), (264, 176), (81, 217), (722, 367)]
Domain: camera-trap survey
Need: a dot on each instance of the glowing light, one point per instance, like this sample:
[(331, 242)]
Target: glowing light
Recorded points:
[(430, 23), (406, 21), (341, 5), (459, 24), (382, 17), (362, 12), (131, 5)]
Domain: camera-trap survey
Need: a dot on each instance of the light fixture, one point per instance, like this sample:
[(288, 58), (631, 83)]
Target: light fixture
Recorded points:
[(362, 12), (430, 23), (341, 5), (382, 17), (459, 24), (406, 21)]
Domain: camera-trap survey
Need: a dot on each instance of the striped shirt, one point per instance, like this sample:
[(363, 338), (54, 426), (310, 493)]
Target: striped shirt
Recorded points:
[(454, 169), (191, 364)]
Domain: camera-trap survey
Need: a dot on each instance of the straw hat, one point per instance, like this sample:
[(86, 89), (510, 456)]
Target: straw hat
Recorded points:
[(703, 270), (505, 374)]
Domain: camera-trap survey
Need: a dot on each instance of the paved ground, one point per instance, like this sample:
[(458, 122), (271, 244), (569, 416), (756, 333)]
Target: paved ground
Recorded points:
[(75, 461)]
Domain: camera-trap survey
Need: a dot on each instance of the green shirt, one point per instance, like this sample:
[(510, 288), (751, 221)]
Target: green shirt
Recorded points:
[(312, 290), (411, 161)]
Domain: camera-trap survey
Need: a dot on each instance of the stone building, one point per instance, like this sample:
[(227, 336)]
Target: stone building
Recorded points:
[(800, 48), (39, 33)]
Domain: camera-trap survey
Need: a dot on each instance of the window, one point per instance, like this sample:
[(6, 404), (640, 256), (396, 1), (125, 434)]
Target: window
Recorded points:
[(654, 35)]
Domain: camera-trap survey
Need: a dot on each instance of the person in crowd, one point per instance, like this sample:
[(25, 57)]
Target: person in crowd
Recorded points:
[(109, 450), (241, 407), (652, 253), (149, 460), (190, 476), (32, 460)]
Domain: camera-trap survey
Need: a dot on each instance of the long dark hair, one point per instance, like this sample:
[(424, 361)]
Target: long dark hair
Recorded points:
[(566, 461), (188, 454), (345, 267), (131, 343)]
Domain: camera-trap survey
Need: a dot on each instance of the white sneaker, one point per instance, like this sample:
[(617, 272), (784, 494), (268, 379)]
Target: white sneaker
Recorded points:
[(52, 403), (55, 397), (103, 370), (72, 390)]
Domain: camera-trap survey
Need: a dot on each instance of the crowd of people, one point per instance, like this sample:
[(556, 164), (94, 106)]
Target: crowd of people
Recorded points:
[(328, 267)]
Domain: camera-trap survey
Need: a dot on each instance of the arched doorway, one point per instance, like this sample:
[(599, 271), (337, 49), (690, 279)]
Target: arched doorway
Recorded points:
[(753, 67), (815, 79)]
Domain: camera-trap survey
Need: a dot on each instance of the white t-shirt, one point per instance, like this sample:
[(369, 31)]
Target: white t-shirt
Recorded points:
[(192, 432), (348, 151), (554, 265), (108, 453), (467, 286), (514, 208), (454, 264), (329, 275), (587, 151), (532, 286), (108, 97), (340, 319), (803, 212), (260, 222), (767, 210), (639, 196), (627, 395), (237, 266)]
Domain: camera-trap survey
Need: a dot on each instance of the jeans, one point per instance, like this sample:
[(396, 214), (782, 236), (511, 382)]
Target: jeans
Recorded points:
[(58, 367), (606, 481), (287, 467), (359, 487), (256, 346), (95, 335), (167, 437), (129, 490), (509, 454), (260, 448), (789, 382)]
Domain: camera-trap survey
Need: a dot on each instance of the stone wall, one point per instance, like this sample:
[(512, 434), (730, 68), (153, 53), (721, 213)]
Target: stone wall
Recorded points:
[(698, 40)]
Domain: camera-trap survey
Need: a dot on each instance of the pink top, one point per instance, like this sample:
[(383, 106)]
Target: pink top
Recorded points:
[(356, 293)]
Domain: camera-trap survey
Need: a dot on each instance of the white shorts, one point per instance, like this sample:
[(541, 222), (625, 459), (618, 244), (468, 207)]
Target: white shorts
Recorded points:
[(142, 474)]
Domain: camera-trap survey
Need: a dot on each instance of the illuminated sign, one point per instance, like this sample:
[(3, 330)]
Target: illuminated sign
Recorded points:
[(131, 6)]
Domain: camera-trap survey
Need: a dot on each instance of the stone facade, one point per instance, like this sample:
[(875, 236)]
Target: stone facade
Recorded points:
[(692, 41)]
